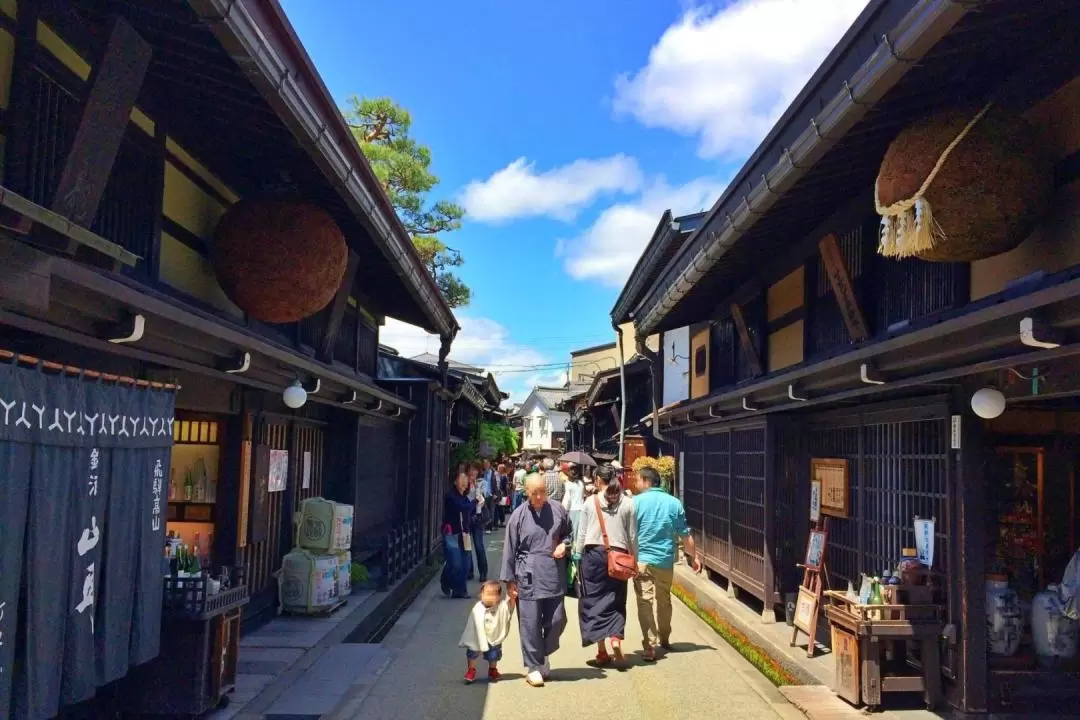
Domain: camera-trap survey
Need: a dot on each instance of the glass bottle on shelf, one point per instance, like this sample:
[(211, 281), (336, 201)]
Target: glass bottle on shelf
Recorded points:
[(172, 484), (188, 489), (875, 600)]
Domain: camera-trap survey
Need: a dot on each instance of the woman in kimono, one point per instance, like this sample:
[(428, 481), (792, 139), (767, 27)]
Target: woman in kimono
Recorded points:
[(534, 570), (457, 515), (602, 598)]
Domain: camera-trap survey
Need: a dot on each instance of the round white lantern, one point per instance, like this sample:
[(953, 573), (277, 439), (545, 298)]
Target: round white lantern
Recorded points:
[(988, 403), (294, 396)]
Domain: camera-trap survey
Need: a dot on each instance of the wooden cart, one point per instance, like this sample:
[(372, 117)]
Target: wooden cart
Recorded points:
[(863, 636)]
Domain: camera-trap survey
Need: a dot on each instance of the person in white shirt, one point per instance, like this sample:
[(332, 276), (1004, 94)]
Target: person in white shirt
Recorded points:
[(486, 630), (519, 485)]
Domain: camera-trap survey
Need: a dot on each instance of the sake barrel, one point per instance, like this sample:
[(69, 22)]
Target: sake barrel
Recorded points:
[(344, 573), (309, 582), (325, 525)]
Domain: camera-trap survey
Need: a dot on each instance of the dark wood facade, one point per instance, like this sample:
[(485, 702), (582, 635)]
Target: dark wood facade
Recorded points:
[(806, 343), (128, 131)]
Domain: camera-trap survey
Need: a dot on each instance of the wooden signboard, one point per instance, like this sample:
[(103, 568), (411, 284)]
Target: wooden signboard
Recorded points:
[(747, 343), (806, 611), (815, 551), (845, 647), (833, 260), (808, 605), (260, 496), (832, 473)]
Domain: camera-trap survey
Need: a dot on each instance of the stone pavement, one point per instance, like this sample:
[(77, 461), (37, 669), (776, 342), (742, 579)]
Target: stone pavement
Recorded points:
[(422, 677)]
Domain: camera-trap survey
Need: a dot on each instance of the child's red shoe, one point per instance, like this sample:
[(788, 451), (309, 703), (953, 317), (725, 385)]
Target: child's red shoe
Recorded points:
[(494, 675), (470, 676)]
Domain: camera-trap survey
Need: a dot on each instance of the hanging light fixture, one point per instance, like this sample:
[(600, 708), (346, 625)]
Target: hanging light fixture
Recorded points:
[(988, 403), (295, 396)]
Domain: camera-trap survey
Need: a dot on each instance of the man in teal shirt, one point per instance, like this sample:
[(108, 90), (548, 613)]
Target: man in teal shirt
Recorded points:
[(661, 523)]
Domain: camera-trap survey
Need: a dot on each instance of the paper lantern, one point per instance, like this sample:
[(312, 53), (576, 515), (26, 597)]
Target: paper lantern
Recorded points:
[(962, 185), (279, 260)]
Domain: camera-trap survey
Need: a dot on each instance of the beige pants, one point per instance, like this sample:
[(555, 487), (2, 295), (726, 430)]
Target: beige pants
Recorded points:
[(653, 589)]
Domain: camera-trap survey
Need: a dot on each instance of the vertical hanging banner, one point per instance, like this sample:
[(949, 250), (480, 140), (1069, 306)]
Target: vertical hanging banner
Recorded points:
[(77, 460)]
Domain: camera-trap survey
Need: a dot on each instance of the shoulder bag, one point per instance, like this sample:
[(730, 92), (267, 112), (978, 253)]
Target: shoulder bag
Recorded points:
[(466, 536), (621, 565)]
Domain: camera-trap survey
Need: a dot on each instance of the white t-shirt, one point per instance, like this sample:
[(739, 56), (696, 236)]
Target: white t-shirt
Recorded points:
[(519, 479), (573, 496)]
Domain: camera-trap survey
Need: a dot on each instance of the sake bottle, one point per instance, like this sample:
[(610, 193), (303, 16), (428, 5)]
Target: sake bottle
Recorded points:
[(875, 599)]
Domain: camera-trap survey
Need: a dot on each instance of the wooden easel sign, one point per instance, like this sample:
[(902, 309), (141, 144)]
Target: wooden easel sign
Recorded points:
[(808, 605)]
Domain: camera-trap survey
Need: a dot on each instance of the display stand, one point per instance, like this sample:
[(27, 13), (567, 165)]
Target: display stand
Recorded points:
[(815, 581), (863, 633)]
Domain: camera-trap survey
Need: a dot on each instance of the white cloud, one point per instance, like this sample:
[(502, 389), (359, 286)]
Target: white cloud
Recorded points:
[(607, 250), (519, 191), (483, 343), (726, 76)]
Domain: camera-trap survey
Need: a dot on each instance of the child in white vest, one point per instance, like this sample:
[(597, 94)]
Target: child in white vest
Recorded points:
[(486, 630)]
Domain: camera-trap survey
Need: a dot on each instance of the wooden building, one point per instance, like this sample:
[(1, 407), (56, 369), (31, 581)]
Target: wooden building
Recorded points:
[(137, 137), (811, 340)]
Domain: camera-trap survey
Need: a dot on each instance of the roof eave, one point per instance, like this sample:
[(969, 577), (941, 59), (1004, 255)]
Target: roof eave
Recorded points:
[(243, 27), (660, 238), (735, 212)]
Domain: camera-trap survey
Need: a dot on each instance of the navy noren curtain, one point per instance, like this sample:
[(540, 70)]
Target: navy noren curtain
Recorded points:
[(83, 501)]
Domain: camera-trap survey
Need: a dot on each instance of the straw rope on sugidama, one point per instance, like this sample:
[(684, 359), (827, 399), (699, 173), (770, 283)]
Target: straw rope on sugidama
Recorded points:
[(961, 186)]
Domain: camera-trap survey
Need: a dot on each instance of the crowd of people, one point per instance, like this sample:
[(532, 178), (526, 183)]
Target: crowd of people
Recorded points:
[(568, 531)]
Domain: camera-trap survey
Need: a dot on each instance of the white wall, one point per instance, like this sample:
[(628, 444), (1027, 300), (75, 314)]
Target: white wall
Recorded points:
[(537, 432), (677, 371)]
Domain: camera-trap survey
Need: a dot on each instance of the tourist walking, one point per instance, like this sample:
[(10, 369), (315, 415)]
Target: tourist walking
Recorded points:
[(661, 522), (608, 526), (486, 630), (573, 495), (476, 495), (553, 480), (457, 513), (534, 570), (519, 485)]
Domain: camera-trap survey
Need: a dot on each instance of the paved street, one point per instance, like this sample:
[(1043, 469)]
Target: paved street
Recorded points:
[(702, 677)]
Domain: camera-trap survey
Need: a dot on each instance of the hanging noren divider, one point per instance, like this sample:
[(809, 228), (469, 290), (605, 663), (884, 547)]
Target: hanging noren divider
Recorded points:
[(84, 456)]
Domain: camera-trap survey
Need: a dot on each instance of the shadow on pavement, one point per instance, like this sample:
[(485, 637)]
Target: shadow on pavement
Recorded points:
[(574, 674)]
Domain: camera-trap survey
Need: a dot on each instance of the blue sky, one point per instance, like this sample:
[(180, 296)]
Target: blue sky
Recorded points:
[(566, 128)]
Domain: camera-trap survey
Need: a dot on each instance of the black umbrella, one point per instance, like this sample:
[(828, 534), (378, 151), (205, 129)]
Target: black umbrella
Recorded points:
[(578, 458)]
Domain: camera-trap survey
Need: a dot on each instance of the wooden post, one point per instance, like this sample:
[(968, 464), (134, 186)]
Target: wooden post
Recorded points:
[(967, 576), (842, 288), (115, 84)]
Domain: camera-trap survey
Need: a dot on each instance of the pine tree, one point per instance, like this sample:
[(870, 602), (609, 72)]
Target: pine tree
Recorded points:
[(382, 129)]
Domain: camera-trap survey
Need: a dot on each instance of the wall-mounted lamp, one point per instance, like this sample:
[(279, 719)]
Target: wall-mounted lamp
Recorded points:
[(295, 396), (988, 403)]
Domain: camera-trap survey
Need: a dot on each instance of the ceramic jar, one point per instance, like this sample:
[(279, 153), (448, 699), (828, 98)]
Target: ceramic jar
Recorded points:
[(1055, 635), (1003, 616)]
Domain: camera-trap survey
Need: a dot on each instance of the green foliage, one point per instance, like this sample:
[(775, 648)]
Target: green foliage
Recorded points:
[(502, 439), (664, 465), (358, 574), (382, 129), (768, 666)]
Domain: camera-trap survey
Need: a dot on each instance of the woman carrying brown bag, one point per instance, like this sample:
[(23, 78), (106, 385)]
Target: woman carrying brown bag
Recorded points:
[(606, 545)]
